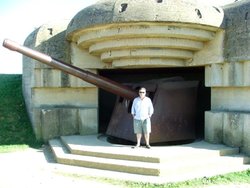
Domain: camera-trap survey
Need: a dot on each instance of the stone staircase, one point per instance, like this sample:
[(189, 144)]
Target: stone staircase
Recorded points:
[(172, 163)]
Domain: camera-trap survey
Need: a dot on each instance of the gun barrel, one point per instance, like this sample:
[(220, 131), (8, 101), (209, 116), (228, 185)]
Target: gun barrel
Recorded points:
[(99, 81)]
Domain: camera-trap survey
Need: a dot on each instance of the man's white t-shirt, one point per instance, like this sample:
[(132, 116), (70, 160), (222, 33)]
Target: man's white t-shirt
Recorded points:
[(142, 108)]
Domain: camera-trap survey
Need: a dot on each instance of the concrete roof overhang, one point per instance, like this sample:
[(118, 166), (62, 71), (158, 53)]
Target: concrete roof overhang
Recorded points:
[(124, 11)]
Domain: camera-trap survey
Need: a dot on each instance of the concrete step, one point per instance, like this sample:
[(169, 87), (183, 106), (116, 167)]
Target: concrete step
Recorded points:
[(64, 157), (206, 166), (198, 158), (92, 146)]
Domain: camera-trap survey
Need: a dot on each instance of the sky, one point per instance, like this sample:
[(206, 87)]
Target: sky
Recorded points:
[(18, 18)]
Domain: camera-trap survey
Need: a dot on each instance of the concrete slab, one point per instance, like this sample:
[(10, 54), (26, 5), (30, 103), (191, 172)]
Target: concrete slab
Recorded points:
[(99, 144), (176, 163)]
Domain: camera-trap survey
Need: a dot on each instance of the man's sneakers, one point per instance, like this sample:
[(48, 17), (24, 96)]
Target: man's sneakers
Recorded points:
[(137, 146)]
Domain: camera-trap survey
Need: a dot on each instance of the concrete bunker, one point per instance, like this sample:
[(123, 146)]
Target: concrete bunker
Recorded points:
[(106, 39)]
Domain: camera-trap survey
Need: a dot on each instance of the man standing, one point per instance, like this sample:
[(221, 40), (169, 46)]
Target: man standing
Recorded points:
[(142, 110)]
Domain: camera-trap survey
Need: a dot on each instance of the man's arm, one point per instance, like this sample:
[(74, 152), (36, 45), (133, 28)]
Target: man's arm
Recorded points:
[(151, 108), (133, 109)]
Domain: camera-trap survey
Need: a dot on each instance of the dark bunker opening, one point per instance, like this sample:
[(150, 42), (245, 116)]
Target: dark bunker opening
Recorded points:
[(107, 100)]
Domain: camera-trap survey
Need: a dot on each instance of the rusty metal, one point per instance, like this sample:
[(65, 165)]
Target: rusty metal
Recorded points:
[(99, 81), (174, 101)]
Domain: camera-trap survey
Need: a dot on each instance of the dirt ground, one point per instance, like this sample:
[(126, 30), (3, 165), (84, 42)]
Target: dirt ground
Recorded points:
[(36, 168)]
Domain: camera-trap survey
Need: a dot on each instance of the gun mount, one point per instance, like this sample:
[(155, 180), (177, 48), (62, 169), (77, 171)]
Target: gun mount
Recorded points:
[(174, 100)]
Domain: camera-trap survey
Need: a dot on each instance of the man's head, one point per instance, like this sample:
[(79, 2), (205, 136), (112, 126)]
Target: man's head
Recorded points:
[(142, 92)]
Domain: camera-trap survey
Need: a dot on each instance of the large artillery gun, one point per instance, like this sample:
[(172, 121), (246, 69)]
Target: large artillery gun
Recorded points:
[(174, 100)]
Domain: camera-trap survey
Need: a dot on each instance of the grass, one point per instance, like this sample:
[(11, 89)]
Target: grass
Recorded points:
[(15, 128), (236, 178), (16, 134)]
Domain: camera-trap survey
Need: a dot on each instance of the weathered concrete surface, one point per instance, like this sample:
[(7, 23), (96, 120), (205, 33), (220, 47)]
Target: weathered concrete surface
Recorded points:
[(120, 11), (149, 44), (53, 122), (230, 82), (230, 99), (233, 129), (163, 164), (121, 34), (229, 128), (49, 39), (246, 133), (213, 127), (237, 27), (54, 99), (42, 171), (88, 121)]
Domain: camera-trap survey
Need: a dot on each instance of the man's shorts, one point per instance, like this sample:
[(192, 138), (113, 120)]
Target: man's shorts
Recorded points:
[(142, 126)]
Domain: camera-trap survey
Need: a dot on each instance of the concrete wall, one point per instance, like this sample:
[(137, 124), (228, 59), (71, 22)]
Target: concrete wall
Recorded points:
[(58, 104), (105, 37), (228, 121)]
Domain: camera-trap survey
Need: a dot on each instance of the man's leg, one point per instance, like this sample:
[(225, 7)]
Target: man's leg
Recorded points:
[(138, 136), (138, 131), (147, 136), (147, 131)]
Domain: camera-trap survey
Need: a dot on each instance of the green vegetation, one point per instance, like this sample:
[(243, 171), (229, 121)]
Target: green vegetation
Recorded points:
[(236, 178), (15, 129)]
